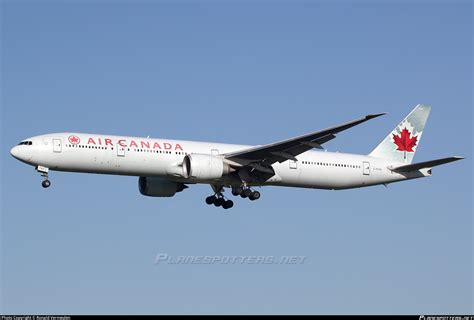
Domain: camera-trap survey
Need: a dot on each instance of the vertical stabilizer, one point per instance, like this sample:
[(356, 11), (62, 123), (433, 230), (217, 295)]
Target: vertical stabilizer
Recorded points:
[(401, 144)]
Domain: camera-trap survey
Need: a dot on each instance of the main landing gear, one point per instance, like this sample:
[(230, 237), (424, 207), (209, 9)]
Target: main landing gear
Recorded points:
[(246, 192), (218, 200), (44, 173)]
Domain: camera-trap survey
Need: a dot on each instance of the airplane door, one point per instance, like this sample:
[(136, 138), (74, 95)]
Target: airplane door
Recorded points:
[(120, 151), (366, 168), (293, 164), (57, 145)]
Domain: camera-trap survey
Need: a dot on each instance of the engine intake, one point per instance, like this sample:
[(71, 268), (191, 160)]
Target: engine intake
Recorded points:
[(204, 167), (159, 187)]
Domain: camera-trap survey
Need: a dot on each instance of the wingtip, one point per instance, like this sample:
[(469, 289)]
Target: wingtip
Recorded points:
[(375, 115), (458, 158)]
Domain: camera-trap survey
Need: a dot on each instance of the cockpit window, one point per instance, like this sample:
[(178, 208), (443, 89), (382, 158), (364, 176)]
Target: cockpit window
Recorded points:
[(26, 143)]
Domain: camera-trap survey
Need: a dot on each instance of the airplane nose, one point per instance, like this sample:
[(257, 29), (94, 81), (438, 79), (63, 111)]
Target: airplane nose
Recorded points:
[(14, 151)]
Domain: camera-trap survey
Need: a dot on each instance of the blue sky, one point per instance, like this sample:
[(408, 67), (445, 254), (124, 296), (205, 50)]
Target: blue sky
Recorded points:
[(239, 72)]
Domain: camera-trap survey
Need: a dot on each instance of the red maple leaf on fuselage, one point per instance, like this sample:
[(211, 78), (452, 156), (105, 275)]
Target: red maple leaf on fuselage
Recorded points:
[(404, 141), (73, 139)]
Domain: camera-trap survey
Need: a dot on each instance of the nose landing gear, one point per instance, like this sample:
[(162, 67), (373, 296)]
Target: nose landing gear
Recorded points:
[(44, 173)]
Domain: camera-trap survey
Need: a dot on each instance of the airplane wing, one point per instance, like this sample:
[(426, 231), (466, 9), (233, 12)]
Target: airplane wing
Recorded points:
[(426, 164), (262, 157)]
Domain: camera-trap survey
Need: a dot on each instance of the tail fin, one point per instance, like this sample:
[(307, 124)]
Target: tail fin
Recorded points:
[(401, 144)]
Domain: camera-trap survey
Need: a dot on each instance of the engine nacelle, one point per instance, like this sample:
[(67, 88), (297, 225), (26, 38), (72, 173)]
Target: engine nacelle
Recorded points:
[(159, 187), (204, 167)]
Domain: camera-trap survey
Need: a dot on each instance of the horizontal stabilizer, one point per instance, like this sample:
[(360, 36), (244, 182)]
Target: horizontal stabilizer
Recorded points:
[(426, 164)]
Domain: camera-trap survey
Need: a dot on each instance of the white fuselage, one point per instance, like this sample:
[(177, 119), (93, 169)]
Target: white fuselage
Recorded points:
[(147, 157)]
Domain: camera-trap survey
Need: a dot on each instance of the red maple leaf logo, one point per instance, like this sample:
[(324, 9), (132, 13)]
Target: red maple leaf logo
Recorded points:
[(405, 141), (74, 139)]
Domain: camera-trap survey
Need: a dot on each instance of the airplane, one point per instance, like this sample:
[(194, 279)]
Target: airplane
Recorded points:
[(166, 167)]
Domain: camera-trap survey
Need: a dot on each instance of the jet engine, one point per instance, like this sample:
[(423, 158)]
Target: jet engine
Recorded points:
[(204, 167), (159, 187)]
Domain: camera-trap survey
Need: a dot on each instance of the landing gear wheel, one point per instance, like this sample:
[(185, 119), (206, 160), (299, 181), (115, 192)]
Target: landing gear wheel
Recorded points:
[(246, 193), (46, 183), (228, 204), (219, 202), (211, 200), (237, 191), (254, 195)]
